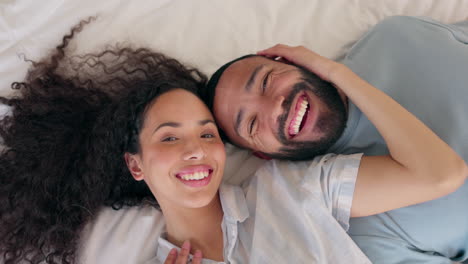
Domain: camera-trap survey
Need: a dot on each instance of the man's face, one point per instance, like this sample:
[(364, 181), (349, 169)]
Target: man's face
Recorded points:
[(278, 109)]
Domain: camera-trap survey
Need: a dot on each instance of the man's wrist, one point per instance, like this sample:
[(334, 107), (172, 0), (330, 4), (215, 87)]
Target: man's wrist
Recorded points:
[(339, 73)]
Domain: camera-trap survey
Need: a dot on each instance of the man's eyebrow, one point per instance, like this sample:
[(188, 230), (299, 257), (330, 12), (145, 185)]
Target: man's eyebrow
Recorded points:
[(167, 124), (248, 87), (253, 76), (240, 116)]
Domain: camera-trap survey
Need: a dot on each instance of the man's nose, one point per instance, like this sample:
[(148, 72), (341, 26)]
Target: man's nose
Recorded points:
[(194, 150), (276, 107)]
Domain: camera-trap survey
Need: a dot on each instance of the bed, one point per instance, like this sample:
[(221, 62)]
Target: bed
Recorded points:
[(204, 34)]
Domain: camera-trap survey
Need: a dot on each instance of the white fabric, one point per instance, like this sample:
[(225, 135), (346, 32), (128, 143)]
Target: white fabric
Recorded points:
[(290, 212), (202, 33), (125, 236)]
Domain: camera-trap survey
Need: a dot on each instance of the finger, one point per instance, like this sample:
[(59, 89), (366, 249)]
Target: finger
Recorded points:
[(184, 253), (268, 56), (171, 257), (296, 55), (301, 56), (277, 46), (197, 257), (277, 50)]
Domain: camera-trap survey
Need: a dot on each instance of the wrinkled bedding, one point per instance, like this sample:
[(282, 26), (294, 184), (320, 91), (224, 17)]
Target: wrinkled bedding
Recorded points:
[(204, 34)]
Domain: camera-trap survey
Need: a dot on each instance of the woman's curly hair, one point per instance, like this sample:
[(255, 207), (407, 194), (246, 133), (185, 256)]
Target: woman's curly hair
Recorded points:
[(71, 122)]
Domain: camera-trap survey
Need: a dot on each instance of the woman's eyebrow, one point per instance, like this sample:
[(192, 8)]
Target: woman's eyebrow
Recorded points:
[(206, 121), (167, 124), (177, 125)]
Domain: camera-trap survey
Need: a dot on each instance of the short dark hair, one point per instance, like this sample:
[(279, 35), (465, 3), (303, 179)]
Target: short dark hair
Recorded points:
[(208, 93)]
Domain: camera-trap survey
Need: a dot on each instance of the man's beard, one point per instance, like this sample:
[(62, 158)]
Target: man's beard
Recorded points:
[(330, 123)]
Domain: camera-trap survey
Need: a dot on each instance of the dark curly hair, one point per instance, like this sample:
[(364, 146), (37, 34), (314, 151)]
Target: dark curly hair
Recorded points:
[(72, 119)]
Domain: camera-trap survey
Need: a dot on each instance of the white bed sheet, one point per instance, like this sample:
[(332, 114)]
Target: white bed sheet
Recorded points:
[(204, 34)]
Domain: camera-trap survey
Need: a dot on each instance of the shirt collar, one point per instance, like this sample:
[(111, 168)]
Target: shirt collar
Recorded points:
[(233, 203), (165, 246), (235, 210), (354, 114)]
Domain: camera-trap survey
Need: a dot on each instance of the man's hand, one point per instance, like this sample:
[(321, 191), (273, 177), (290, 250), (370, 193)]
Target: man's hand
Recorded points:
[(181, 258), (323, 67)]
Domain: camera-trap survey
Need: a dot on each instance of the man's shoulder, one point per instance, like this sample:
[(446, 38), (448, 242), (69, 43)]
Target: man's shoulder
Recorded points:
[(299, 172), (404, 32)]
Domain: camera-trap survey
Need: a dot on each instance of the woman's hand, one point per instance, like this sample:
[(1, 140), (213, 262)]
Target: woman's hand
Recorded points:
[(181, 257), (323, 67)]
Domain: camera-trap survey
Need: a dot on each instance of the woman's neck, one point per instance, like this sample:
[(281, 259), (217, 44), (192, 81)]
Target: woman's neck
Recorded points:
[(201, 226)]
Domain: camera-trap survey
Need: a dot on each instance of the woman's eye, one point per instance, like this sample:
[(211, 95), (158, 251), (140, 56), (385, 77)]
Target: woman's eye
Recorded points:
[(169, 139), (208, 136)]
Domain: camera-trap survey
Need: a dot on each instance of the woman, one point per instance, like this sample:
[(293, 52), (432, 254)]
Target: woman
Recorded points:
[(73, 143), (56, 170)]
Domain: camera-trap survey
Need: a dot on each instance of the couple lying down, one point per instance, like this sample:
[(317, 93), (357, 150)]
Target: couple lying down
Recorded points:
[(127, 127)]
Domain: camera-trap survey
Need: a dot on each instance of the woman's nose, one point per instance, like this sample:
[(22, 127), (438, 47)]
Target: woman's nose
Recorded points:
[(194, 151)]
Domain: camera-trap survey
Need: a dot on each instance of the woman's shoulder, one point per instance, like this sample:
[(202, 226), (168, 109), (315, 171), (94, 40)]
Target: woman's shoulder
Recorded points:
[(128, 235)]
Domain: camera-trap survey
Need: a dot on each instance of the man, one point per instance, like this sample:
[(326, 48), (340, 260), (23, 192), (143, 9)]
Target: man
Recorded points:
[(279, 110)]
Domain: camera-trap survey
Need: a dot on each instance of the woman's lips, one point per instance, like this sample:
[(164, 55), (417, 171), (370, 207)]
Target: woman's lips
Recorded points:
[(197, 183), (195, 176)]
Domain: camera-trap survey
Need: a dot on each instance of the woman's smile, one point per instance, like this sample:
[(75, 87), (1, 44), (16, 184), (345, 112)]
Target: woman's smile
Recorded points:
[(196, 175)]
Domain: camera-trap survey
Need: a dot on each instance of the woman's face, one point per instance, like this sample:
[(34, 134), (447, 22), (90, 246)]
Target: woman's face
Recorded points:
[(181, 155)]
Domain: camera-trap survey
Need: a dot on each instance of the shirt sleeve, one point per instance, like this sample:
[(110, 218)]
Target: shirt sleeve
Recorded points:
[(331, 179)]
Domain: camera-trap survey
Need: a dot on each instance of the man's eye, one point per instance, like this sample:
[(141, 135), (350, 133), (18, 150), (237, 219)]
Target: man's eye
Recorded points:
[(252, 125), (208, 136), (264, 84), (169, 139)]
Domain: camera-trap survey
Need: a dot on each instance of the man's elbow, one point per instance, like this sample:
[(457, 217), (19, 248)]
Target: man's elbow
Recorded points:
[(453, 176)]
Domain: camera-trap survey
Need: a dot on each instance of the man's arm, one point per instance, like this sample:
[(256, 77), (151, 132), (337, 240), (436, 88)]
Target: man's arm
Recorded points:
[(420, 166)]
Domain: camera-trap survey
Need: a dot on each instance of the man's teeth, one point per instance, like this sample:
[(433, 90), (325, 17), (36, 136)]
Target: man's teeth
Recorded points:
[(195, 176), (298, 119)]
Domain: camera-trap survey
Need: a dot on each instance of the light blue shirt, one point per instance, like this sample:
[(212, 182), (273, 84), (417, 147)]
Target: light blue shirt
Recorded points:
[(423, 65), (289, 212)]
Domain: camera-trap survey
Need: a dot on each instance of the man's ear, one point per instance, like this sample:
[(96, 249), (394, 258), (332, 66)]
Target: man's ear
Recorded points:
[(261, 155), (133, 164)]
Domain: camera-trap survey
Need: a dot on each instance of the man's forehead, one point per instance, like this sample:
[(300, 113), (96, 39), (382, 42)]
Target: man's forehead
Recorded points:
[(247, 65), (230, 87), (237, 75)]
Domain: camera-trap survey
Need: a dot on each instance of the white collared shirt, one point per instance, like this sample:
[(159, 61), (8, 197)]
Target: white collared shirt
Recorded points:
[(290, 212)]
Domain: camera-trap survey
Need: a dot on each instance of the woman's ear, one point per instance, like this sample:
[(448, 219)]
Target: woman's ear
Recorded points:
[(133, 164)]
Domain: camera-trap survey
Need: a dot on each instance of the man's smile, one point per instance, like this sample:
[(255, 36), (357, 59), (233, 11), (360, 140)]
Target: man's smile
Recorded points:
[(299, 116)]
